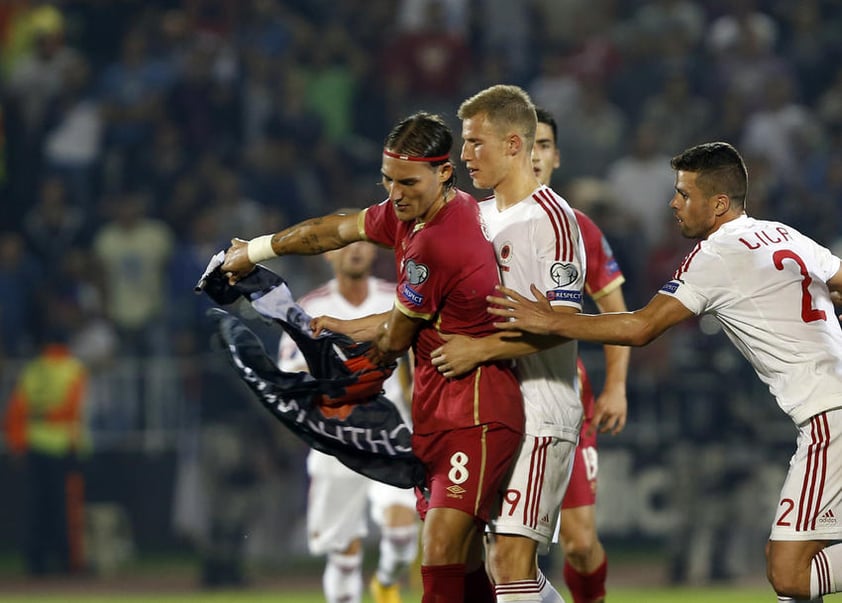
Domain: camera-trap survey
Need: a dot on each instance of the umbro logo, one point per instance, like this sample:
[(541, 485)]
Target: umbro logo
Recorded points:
[(455, 491)]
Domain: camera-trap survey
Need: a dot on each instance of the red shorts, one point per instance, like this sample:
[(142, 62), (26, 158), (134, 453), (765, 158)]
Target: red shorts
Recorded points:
[(581, 491), (465, 467)]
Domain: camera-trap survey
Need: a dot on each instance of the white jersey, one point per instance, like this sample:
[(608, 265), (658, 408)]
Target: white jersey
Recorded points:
[(537, 241), (327, 301), (765, 284)]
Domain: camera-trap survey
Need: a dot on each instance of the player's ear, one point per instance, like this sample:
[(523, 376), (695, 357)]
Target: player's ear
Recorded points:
[(514, 144), (722, 204), (445, 171)]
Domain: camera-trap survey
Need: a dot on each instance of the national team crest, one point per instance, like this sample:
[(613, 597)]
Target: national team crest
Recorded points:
[(563, 273), (505, 254)]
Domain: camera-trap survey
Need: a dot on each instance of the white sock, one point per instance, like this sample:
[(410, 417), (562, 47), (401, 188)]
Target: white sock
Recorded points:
[(536, 591), (548, 592), (826, 565), (398, 549), (342, 580)]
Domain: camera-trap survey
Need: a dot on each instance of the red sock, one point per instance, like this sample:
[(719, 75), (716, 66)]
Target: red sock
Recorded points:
[(586, 588), (443, 583), (478, 587)]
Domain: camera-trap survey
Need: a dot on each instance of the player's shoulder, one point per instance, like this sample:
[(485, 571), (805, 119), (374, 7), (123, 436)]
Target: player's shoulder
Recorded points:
[(381, 285), (320, 294), (545, 201)]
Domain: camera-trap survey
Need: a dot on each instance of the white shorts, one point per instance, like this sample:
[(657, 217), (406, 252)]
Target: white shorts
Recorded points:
[(337, 501), (534, 489), (810, 506)]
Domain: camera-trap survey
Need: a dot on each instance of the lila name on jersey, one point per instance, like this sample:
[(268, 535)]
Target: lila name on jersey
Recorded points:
[(411, 295), (761, 238), (565, 295)]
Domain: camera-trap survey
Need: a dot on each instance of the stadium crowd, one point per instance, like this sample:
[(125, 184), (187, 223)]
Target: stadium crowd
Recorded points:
[(137, 136)]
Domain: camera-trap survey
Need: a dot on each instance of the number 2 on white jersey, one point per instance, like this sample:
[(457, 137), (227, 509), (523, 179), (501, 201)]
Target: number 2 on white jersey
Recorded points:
[(808, 312)]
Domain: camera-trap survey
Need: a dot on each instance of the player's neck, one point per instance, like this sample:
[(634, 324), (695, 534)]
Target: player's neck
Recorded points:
[(353, 289), (519, 185), (444, 199)]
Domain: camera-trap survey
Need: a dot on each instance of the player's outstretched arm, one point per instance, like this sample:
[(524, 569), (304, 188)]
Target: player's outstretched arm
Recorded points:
[(636, 328), (394, 336), (461, 354), (309, 237), (358, 329)]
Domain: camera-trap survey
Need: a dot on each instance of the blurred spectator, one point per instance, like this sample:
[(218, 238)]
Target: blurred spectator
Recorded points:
[(35, 80), (591, 136), (665, 18), (829, 103), (205, 105), (275, 175), (53, 225), (131, 90), (455, 15), (741, 20), (504, 30), (742, 42), (19, 307), (134, 251), (681, 118), (782, 130), (811, 43), (428, 66), (329, 67), (161, 166), (73, 139), (233, 212), (554, 85), (45, 428), (643, 182)]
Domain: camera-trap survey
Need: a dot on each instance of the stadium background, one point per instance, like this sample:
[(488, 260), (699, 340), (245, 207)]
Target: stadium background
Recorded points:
[(198, 120)]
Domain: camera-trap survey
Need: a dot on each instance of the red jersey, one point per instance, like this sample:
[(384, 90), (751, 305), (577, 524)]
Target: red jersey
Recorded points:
[(603, 276), (446, 267), (603, 273)]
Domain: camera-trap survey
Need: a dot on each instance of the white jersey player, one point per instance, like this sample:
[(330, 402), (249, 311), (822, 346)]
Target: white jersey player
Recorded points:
[(770, 288), (537, 241), (339, 497), (536, 238)]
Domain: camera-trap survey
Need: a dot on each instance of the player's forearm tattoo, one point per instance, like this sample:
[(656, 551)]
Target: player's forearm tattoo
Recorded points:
[(303, 239)]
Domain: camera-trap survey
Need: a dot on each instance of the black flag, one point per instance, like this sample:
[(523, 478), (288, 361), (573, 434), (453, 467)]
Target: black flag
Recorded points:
[(338, 407)]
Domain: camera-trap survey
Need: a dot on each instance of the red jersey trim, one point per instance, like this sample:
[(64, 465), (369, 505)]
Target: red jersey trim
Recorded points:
[(812, 487), (561, 225), (685, 264), (484, 459), (412, 314), (611, 286)]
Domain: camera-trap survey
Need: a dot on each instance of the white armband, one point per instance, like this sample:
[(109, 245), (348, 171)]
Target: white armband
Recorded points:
[(260, 249)]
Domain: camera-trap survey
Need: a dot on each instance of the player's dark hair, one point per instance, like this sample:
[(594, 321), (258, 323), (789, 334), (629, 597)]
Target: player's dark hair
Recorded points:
[(423, 135), (720, 169), (545, 117)]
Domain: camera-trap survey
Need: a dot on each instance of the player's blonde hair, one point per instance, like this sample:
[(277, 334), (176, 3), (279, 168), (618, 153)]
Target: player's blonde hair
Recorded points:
[(506, 107)]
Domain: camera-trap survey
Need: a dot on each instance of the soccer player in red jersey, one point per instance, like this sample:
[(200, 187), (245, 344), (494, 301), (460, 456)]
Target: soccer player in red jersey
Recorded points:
[(465, 430)]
